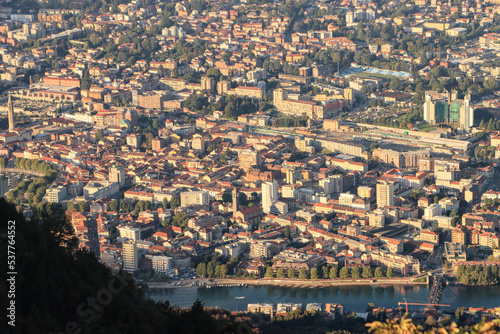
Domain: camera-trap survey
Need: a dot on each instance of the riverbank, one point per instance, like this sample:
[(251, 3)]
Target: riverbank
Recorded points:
[(354, 298), (203, 282)]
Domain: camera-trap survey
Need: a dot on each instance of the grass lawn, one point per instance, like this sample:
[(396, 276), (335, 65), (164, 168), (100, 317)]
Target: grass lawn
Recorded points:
[(425, 127), (376, 75)]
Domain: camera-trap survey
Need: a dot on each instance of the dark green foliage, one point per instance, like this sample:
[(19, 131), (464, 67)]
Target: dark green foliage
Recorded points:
[(196, 102), (290, 121), (478, 275), (54, 281), (298, 155)]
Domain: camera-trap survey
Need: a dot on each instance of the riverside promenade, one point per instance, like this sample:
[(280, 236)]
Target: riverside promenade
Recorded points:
[(284, 282)]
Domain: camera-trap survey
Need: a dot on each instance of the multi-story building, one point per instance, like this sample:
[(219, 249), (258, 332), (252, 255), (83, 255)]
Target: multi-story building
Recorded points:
[(207, 84), (459, 235), (130, 232), (349, 95), (158, 144), (335, 146), (377, 217), (57, 194), (444, 174), (455, 252), (96, 190), (429, 236), (332, 124), (395, 246), (366, 192), (224, 87), (310, 109), (151, 99), (261, 308), (353, 230), (261, 249), (293, 175), (174, 31), (249, 158), (449, 204), (117, 174), (257, 74), (289, 191), (130, 256), (489, 239), (402, 264), (346, 199), (389, 156), (269, 195), (198, 143), (162, 263), (190, 198), (429, 164), (432, 211), (448, 109), (332, 184), (385, 194), (133, 140)]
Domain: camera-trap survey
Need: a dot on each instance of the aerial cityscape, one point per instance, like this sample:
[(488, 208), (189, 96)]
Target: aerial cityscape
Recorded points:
[(253, 166)]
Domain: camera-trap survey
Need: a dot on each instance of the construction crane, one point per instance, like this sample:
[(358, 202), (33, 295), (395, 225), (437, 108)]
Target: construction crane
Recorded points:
[(423, 304)]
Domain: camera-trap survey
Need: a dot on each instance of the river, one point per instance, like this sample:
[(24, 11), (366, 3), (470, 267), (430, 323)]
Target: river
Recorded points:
[(354, 298)]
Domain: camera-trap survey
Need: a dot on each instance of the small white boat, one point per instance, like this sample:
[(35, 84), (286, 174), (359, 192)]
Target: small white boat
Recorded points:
[(243, 297)]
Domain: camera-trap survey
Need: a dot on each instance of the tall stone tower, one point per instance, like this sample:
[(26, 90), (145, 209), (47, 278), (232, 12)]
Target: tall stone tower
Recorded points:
[(235, 200), (10, 114)]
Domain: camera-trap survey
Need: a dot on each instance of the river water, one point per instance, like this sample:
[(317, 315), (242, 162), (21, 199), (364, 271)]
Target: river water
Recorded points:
[(354, 298)]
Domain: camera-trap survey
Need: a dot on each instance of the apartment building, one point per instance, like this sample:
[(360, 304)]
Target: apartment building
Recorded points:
[(190, 198)]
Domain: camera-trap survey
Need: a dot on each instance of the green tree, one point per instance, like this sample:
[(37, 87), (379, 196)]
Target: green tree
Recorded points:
[(175, 202), (114, 205), (302, 273), (390, 272), (242, 197), (71, 206), (394, 85), (201, 270), (223, 270), (99, 135), (291, 273), (214, 73), (227, 197), (269, 272), (379, 273), (226, 56), (287, 232), (355, 272), (314, 273), (325, 272), (85, 84), (333, 272), (367, 272), (217, 270), (210, 269), (82, 206), (344, 273), (281, 273)]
